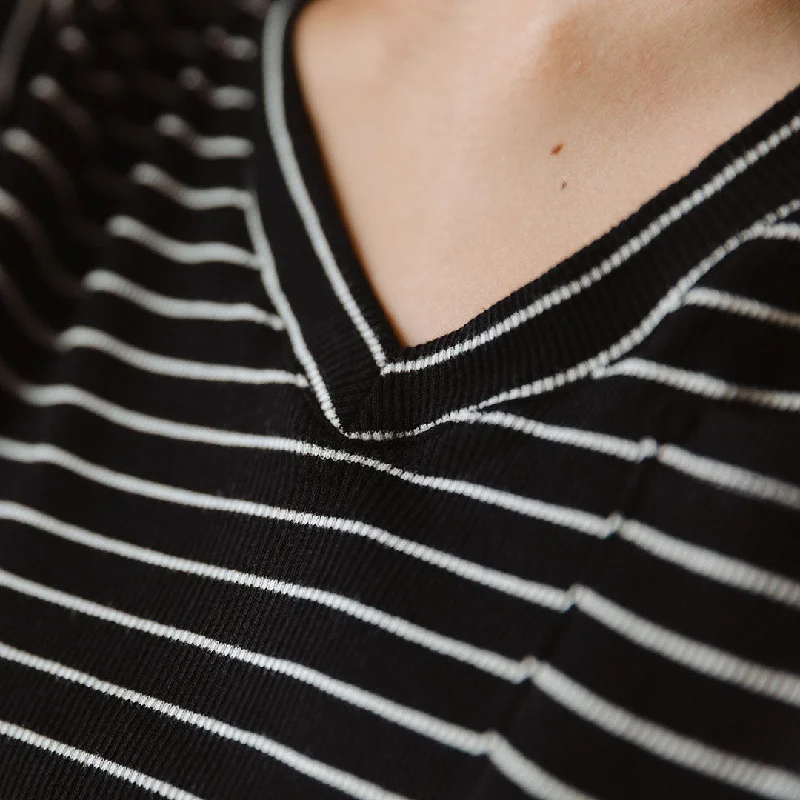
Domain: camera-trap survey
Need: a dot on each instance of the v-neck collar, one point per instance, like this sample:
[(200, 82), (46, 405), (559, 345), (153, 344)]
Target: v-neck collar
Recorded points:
[(591, 309)]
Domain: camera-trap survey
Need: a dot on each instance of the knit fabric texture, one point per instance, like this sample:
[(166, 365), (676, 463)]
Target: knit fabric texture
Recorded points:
[(251, 547)]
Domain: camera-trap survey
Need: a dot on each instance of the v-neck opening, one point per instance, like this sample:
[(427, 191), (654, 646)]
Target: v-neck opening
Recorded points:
[(536, 338)]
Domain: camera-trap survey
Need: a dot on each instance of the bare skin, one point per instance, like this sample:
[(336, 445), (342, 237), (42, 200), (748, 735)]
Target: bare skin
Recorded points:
[(475, 145)]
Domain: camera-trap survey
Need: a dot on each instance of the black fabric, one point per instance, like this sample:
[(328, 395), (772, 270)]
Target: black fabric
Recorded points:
[(250, 547)]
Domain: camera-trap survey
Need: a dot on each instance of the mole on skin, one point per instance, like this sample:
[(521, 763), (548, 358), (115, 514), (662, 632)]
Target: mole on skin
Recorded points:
[(554, 152)]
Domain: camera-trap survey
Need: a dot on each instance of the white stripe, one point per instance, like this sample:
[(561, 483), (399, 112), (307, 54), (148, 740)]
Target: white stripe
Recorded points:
[(18, 32), (21, 143), (743, 306), (90, 338), (44, 88), (606, 444), (26, 453), (567, 291), (91, 761), (766, 781), (273, 48), (529, 776), (19, 309), (182, 252), (238, 48), (712, 565), (210, 147), (597, 365), (175, 308), (703, 658), (727, 476), (224, 98), (24, 145), (73, 41), (195, 199), (702, 384), (508, 760), (785, 230), (487, 661), (32, 231), (318, 770), (269, 277)]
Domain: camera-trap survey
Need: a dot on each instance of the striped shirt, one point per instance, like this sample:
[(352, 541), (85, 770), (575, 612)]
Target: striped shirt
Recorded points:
[(252, 548)]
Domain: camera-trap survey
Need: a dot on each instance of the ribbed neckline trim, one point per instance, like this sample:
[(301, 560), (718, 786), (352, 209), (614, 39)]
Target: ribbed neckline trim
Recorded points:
[(590, 309)]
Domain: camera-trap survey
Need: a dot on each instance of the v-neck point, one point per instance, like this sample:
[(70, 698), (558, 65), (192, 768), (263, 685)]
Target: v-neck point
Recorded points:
[(582, 314)]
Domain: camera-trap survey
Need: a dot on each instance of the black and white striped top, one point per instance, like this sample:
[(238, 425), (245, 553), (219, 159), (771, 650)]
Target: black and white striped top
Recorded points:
[(252, 548)]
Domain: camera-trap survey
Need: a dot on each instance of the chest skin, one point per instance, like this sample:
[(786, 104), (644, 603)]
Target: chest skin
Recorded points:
[(469, 162)]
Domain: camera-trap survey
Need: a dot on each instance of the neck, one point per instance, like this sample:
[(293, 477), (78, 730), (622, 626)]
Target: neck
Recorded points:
[(552, 31), (497, 62)]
